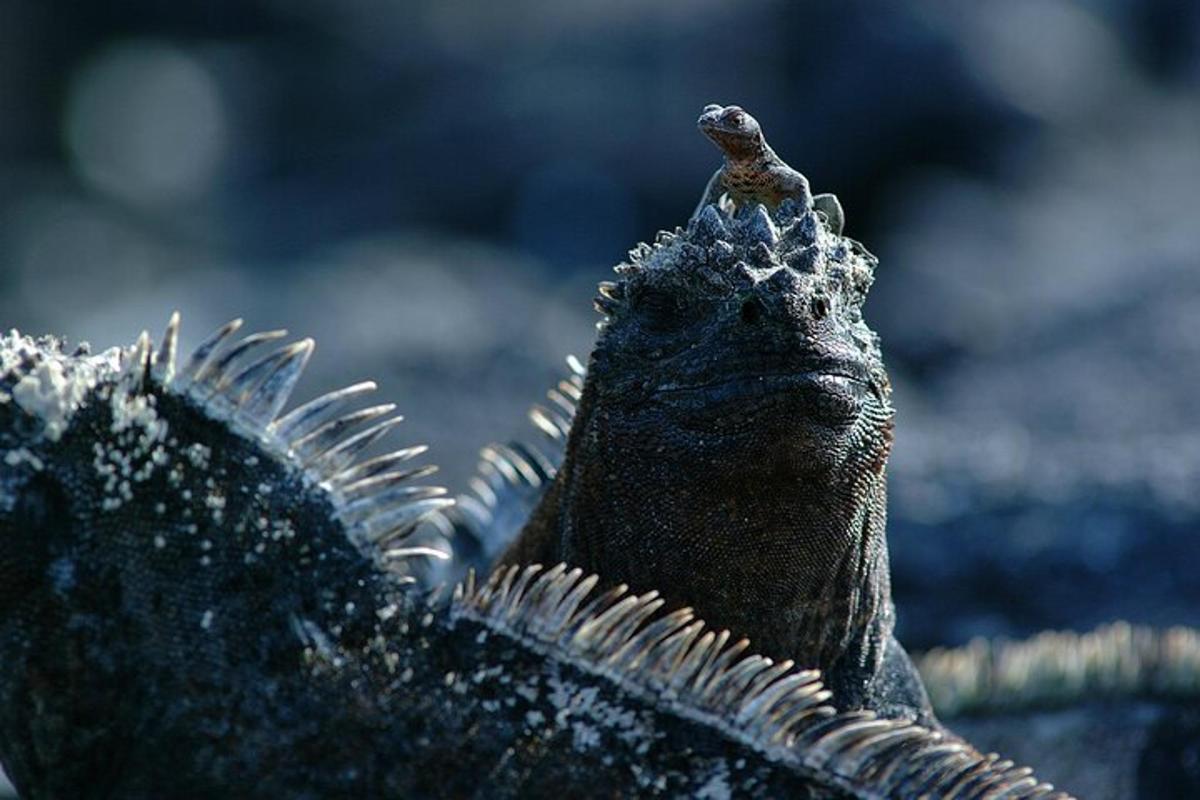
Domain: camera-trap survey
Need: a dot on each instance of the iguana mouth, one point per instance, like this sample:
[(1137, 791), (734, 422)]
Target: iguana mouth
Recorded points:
[(832, 397), (761, 385), (833, 372)]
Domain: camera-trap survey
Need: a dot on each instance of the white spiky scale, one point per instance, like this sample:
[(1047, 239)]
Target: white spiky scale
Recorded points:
[(571, 390), (136, 363), (510, 470), (546, 423), (263, 388), (397, 521), (311, 446), (383, 501), (674, 650), (302, 420), (200, 357), (378, 464), (250, 398), (384, 480), (218, 370), (780, 710), (416, 552), (765, 697), (562, 401), (962, 784), (518, 462), (163, 370), (1117, 658), (565, 610), (517, 590), (619, 621), (646, 644), (765, 679), (881, 743), (483, 490), (535, 456), (847, 737), (334, 460), (705, 682), (783, 725)]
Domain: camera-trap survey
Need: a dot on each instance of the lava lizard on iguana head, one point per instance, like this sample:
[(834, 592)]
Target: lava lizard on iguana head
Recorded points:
[(730, 444), (752, 172)]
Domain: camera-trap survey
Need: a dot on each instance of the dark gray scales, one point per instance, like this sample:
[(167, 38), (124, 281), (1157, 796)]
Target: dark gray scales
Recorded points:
[(744, 399), (204, 596), (209, 599)]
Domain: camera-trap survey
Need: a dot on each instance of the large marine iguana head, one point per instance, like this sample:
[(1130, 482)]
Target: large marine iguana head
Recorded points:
[(730, 441), (744, 337)]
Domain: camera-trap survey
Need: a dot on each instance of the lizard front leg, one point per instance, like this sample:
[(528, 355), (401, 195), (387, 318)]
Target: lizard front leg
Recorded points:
[(793, 185), (712, 192)]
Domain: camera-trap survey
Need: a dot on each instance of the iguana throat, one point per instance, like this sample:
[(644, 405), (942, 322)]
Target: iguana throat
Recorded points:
[(758, 539)]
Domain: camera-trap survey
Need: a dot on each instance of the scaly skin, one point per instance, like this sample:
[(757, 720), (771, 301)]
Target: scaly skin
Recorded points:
[(752, 172), (730, 444), (201, 599)]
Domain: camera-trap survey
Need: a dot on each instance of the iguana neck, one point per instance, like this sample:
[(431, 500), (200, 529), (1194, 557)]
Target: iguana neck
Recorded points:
[(794, 560)]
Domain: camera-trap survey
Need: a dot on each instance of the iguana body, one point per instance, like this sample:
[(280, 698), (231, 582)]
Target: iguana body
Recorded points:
[(752, 172), (200, 598), (204, 599)]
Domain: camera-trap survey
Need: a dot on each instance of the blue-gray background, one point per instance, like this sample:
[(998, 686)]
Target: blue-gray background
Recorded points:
[(431, 189)]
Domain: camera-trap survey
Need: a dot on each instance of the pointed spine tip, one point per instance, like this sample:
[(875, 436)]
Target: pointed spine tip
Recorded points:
[(163, 370)]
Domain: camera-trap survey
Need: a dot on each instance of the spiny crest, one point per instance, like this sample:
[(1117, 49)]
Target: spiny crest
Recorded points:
[(1054, 668), (670, 658), (507, 482), (325, 438), (722, 251)]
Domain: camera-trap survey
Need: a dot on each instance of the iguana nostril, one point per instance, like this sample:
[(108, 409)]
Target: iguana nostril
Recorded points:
[(751, 311), (820, 307)]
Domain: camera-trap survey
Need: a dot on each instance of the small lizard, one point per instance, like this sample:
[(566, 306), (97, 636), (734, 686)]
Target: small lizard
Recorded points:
[(752, 172)]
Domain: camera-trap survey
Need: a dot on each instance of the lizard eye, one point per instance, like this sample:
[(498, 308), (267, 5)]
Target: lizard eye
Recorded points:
[(736, 119)]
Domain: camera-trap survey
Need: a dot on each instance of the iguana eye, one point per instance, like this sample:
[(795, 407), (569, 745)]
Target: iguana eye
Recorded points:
[(659, 309), (736, 119)]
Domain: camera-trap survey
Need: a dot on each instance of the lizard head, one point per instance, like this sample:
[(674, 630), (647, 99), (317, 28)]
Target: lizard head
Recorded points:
[(741, 340), (732, 129)]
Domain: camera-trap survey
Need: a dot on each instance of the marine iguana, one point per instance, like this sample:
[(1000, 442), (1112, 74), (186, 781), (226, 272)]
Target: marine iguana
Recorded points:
[(730, 444), (752, 172), (200, 597)]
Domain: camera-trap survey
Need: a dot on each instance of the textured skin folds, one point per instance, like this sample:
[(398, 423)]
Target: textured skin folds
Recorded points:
[(730, 444), (206, 601), (200, 597)]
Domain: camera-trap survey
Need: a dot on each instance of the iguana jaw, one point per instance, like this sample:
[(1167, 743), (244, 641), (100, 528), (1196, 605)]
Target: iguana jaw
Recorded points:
[(734, 396), (830, 396)]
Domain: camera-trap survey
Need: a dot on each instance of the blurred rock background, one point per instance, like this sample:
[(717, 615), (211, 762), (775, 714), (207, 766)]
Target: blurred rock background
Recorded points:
[(431, 189)]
